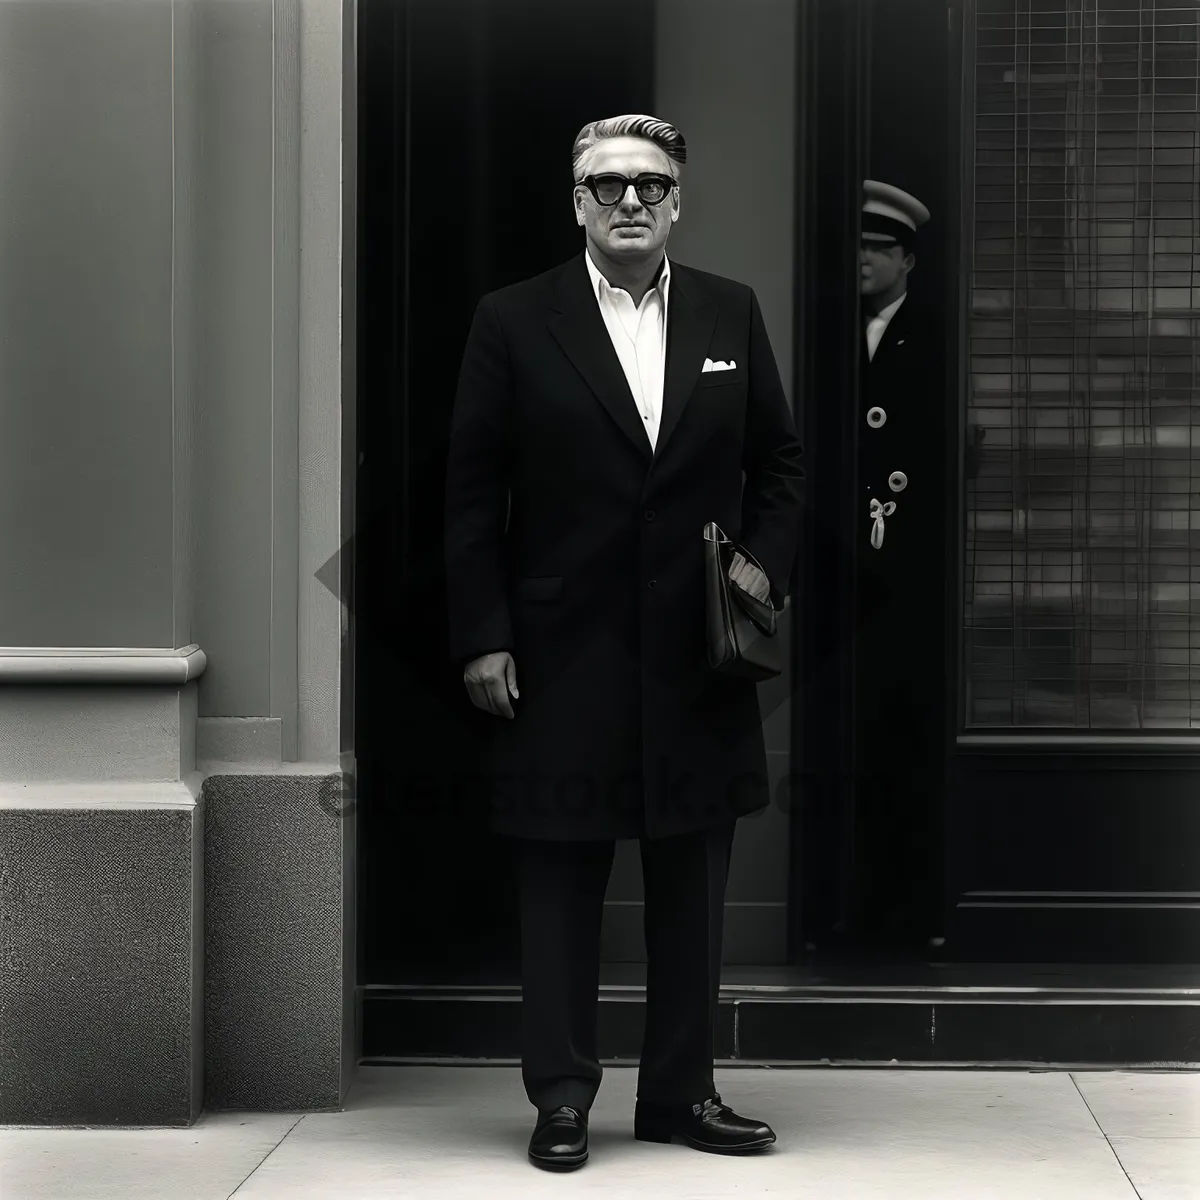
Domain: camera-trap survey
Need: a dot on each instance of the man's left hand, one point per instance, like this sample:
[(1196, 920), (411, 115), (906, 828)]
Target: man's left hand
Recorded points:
[(749, 578)]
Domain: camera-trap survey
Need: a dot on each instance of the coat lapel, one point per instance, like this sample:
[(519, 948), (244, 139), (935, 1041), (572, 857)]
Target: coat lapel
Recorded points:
[(896, 332), (691, 316), (577, 325)]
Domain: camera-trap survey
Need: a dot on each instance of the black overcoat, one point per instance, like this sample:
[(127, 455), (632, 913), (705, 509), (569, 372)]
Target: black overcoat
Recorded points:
[(575, 545)]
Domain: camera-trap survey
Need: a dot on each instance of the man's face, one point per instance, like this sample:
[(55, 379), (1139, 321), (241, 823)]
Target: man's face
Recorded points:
[(630, 229), (881, 265)]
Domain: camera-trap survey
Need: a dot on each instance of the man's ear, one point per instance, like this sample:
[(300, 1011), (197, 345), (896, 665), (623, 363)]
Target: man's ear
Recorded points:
[(910, 261)]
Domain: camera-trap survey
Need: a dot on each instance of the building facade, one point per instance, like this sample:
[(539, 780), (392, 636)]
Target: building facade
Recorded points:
[(240, 254), (176, 860)]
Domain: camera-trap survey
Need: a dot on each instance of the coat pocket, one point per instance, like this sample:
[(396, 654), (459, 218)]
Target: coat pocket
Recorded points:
[(722, 378), (539, 589)]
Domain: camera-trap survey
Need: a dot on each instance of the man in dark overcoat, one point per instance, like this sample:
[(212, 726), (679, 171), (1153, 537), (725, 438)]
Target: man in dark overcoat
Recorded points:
[(900, 623), (606, 410)]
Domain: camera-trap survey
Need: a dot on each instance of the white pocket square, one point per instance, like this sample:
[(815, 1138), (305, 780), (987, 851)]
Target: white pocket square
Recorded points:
[(709, 365)]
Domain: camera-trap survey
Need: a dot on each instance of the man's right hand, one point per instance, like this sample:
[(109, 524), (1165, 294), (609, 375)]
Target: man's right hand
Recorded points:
[(489, 679)]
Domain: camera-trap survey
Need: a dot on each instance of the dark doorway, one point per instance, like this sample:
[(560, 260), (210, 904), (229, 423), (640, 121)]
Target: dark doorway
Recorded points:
[(880, 94), (453, 94), (1056, 855), (458, 100), (903, 703)]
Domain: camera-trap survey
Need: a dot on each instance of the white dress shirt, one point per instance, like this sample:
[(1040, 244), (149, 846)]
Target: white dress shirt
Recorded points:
[(878, 324), (639, 336)]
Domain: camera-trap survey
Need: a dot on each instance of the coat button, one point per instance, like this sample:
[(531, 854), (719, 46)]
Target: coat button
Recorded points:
[(649, 514), (650, 583), (876, 418), (897, 481)]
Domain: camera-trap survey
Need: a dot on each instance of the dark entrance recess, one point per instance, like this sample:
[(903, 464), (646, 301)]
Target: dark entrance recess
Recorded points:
[(833, 50), (458, 100), (867, 119), (453, 94)]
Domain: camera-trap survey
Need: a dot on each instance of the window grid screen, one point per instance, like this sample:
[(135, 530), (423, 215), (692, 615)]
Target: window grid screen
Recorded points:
[(1082, 590)]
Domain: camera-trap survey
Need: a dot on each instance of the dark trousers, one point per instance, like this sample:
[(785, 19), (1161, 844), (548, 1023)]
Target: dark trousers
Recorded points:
[(562, 887)]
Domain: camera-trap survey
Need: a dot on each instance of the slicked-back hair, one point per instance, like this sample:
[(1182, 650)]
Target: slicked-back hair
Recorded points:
[(638, 125)]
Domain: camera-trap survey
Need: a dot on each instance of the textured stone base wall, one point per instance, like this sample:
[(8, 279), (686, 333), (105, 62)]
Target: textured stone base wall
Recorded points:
[(278, 975), (161, 954), (99, 962)]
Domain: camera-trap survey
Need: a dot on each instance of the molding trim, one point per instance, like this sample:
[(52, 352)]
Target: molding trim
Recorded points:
[(139, 794), (101, 796), (1102, 742), (73, 665), (210, 768)]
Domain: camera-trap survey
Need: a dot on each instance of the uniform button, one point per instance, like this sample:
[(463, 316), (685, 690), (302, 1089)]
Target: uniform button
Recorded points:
[(897, 481), (650, 583), (876, 418), (649, 514)]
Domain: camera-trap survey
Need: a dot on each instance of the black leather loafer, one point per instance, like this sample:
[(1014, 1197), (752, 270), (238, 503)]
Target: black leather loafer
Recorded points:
[(560, 1140), (711, 1126)]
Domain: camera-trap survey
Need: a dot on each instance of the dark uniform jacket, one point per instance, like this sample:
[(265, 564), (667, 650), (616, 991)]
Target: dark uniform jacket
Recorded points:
[(899, 434), (900, 627), (901, 581), (596, 586)]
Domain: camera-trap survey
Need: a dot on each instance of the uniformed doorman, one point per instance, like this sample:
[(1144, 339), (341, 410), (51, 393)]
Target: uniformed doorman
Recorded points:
[(900, 623), (889, 226)]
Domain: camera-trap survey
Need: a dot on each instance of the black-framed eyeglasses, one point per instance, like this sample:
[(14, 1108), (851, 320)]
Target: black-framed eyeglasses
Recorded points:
[(609, 189)]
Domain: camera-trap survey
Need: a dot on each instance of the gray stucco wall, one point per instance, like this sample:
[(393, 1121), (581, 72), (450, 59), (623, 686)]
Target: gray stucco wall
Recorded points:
[(86, 414), (169, 474), (169, 446)]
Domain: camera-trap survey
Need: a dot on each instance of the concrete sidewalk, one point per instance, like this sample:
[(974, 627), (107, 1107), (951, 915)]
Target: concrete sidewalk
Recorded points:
[(433, 1132)]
